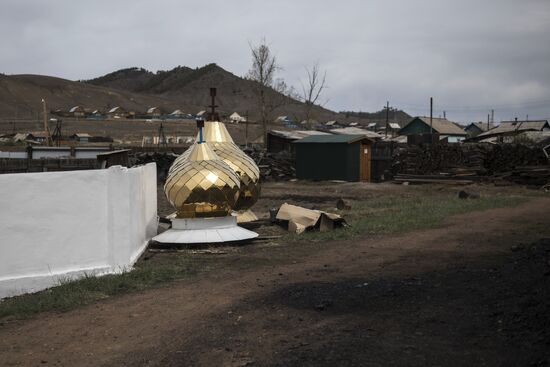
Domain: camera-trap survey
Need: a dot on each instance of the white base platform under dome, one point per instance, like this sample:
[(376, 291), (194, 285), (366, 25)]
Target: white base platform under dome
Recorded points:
[(205, 230)]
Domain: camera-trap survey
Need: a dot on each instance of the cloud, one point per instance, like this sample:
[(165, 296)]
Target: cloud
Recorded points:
[(469, 55)]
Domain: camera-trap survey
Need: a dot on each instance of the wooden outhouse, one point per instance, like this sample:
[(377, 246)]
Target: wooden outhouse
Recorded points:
[(333, 157)]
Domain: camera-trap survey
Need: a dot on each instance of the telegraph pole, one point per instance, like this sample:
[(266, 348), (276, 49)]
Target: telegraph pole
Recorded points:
[(246, 130), (387, 116), (431, 114), (213, 114), (492, 116), (46, 127)]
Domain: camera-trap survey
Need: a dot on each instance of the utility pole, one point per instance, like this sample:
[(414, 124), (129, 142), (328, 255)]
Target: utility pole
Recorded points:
[(56, 136), (445, 115), (431, 114), (246, 130), (387, 116), (213, 114), (492, 116), (488, 116), (46, 127), (161, 137)]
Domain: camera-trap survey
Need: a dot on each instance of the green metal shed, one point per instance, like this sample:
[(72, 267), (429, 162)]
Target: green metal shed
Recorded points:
[(333, 157)]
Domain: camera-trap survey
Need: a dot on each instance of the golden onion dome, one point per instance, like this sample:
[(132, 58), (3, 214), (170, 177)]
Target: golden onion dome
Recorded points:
[(202, 185), (216, 135)]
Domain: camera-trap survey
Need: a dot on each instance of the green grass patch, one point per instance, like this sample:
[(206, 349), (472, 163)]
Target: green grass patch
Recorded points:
[(398, 215), (71, 294), (379, 216)]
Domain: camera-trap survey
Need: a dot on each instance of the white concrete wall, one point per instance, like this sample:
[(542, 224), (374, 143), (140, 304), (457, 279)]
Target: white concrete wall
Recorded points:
[(59, 225), (19, 155)]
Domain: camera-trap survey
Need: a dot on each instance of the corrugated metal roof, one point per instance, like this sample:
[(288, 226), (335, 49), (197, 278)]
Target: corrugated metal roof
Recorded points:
[(507, 127), (296, 134), (39, 134), (116, 109), (440, 125), (20, 136), (538, 122), (481, 125), (75, 108), (348, 139), (356, 131)]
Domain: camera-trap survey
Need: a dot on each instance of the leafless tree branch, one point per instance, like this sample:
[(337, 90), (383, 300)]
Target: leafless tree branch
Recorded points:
[(272, 93), (312, 89)]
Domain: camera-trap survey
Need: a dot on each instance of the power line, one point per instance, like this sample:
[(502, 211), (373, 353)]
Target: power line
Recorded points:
[(474, 108)]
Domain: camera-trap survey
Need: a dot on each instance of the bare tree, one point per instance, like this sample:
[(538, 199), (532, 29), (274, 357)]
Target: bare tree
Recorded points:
[(311, 91), (271, 92)]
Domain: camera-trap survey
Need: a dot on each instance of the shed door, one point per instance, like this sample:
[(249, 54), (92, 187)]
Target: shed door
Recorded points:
[(365, 162)]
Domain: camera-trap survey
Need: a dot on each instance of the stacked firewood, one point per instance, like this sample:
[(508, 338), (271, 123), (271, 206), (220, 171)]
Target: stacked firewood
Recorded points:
[(515, 163), (163, 161), (273, 166)]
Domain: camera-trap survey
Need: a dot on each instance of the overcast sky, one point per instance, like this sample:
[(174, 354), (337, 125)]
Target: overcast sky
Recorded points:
[(470, 55)]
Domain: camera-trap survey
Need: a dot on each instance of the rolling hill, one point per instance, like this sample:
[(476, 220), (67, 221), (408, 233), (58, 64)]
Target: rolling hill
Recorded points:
[(137, 89), (191, 86), (21, 95)]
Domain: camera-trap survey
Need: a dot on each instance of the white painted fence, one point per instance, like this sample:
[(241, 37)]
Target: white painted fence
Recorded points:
[(59, 225)]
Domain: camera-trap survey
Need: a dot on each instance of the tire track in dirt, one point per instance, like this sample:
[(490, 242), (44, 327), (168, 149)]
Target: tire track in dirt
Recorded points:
[(197, 321)]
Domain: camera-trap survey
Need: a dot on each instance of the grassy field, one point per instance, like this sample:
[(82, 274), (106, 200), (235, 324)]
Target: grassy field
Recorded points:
[(379, 216), (397, 215)]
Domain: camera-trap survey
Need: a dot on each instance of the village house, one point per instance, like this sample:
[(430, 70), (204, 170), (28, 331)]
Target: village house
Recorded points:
[(236, 118), (513, 128), (117, 113), (476, 128), (77, 111), (38, 136), (282, 119), (177, 114), (81, 137), (154, 112), (445, 128)]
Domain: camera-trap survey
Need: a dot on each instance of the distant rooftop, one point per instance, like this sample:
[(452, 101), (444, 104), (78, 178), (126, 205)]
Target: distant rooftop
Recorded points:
[(296, 134), (348, 139), (356, 131), (440, 125)]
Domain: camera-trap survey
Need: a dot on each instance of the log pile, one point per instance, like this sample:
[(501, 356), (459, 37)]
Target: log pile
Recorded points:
[(163, 161), (273, 166), (525, 175), (466, 163)]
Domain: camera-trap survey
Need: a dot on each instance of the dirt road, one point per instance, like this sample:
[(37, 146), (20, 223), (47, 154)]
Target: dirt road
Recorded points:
[(473, 293)]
